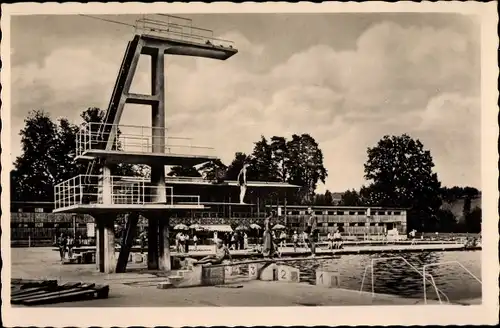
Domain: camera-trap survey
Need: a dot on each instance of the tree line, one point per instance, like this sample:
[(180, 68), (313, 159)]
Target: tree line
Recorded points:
[(398, 171)]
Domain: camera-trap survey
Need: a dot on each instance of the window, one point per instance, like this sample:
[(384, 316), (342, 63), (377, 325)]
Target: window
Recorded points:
[(352, 213), (20, 210), (38, 210), (330, 213), (397, 213), (340, 212), (318, 212)]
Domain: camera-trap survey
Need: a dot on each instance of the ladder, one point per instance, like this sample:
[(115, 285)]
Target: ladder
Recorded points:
[(106, 128)]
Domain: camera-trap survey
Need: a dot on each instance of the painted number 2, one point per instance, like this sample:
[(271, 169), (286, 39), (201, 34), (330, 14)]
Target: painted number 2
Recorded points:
[(283, 274)]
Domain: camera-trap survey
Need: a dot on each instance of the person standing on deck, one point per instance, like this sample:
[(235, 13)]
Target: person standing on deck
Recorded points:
[(242, 182), (312, 225), (268, 245), (282, 238), (295, 240), (61, 243), (182, 240), (329, 239), (242, 240), (70, 244), (186, 243), (195, 242), (245, 240)]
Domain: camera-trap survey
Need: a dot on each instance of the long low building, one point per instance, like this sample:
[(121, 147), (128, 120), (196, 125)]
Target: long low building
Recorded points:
[(352, 220)]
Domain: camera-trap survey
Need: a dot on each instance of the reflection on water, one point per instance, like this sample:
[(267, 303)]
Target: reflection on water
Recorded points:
[(396, 277)]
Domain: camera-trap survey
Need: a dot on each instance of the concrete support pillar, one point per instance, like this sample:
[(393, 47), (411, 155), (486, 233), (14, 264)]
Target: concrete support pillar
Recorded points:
[(153, 243), (164, 250), (109, 245), (99, 254), (106, 186), (158, 190)]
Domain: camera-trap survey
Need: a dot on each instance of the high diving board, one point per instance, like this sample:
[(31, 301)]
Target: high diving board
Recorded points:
[(231, 183), (187, 48)]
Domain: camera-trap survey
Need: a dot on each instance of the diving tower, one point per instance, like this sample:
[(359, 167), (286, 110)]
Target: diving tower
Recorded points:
[(107, 143)]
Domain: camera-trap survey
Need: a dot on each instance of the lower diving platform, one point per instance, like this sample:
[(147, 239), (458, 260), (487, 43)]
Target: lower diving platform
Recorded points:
[(96, 194)]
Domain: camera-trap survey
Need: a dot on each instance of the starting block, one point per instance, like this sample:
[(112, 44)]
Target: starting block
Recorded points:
[(253, 270), (269, 272), (232, 270), (328, 279), (138, 258), (288, 274), (211, 276)]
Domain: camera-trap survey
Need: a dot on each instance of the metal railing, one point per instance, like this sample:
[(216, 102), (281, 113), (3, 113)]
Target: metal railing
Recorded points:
[(178, 28), (371, 265), (114, 190), (432, 278), (134, 138)]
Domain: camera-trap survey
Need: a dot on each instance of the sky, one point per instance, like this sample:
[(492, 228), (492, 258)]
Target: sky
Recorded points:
[(346, 79)]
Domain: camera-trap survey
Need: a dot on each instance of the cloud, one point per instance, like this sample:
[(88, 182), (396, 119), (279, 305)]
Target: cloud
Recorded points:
[(416, 80)]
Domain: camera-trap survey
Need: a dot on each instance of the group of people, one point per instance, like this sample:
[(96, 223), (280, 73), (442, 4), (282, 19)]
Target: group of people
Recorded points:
[(182, 242), (66, 244), (237, 240)]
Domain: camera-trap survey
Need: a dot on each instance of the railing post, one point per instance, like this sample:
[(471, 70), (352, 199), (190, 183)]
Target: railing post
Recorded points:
[(373, 286), (81, 188), (425, 285)]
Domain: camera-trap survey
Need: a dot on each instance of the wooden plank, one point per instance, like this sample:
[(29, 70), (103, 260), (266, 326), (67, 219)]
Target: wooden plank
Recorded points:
[(60, 290), (77, 294), (97, 291)]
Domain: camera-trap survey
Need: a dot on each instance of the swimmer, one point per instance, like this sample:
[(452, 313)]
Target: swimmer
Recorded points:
[(221, 253), (242, 182)]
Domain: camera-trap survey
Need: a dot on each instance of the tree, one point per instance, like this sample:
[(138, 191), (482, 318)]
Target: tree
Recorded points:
[(446, 221), (184, 171), (473, 220), (350, 198), (48, 156), (213, 170), (305, 164), (36, 170), (280, 156), (467, 207), (400, 171), (328, 198), (262, 165)]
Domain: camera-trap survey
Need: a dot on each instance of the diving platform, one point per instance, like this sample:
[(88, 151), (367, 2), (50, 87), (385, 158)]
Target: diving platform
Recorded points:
[(231, 183), (135, 144), (118, 194)]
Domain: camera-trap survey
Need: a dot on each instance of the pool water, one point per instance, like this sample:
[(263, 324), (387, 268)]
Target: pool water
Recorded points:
[(398, 278)]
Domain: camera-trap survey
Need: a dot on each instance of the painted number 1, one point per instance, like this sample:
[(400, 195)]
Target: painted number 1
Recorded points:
[(321, 278)]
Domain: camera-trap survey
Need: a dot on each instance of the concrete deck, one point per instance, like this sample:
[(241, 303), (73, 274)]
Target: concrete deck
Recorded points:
[(139, 288)]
